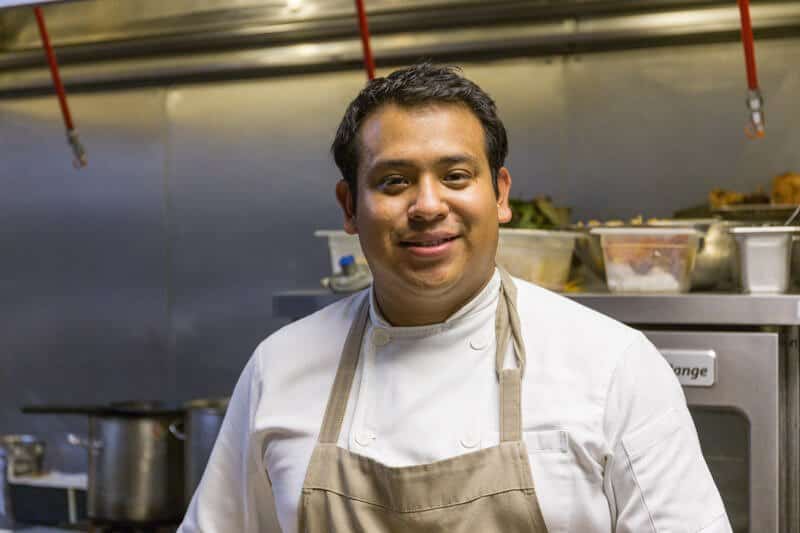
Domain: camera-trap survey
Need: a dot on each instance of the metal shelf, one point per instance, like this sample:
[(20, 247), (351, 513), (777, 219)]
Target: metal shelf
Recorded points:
[(689, 309)]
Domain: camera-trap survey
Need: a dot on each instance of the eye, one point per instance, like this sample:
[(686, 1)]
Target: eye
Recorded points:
[(393, 183), (457, 177)]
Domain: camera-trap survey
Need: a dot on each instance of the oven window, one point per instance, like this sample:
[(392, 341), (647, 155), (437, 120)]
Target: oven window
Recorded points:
[(725, 438)]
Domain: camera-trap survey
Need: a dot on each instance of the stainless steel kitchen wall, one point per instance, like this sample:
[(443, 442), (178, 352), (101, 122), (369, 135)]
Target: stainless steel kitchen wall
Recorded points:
[(83, 313), (250, 180), (149, 274)]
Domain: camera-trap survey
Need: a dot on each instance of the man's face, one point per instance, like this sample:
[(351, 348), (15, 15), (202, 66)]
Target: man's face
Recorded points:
[(427, 214)]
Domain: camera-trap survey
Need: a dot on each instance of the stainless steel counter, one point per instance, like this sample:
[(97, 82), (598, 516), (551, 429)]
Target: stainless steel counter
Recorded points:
[(692, 308), (697, 308)]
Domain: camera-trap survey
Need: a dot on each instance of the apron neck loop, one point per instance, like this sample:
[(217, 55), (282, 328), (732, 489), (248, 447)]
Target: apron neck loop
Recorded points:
[(507, 326)]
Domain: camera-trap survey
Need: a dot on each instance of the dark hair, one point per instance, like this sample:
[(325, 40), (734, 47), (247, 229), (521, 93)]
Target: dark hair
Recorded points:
[(420, 84)]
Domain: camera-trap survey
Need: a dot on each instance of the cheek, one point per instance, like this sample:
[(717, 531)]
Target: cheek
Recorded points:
[(385, 211), (376, 221), (479, 210)]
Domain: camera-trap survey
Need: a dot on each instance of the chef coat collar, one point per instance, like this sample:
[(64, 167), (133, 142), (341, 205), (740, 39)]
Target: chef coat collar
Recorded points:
[(486, 298)]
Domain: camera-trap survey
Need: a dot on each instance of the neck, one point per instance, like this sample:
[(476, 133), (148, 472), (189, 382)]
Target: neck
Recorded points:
[(401, 307)]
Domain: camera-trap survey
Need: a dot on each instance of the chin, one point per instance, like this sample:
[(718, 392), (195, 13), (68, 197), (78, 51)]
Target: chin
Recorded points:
[(433, 280)]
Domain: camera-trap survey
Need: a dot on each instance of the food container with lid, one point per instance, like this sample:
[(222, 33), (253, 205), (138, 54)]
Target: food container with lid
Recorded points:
[(539, 256), (648, 259), (765, 254), (342, 244), (716, 264)]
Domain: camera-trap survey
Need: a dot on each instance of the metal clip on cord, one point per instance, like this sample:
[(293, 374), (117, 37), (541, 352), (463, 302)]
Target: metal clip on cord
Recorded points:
[(79, 160), (755, 104)]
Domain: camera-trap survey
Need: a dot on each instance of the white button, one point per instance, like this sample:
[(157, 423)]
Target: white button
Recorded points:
[(381, 337), (470, 440), (364, 437), (478, 343)]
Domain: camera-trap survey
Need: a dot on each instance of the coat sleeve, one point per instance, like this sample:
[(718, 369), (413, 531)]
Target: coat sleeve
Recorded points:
[(656, 478), (234, 493)]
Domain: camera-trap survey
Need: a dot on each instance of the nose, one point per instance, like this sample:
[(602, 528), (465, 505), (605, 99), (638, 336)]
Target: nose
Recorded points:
[(428, 204)]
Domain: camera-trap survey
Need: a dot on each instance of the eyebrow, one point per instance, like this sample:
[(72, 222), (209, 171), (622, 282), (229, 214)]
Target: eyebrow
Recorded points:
[(407, 163)]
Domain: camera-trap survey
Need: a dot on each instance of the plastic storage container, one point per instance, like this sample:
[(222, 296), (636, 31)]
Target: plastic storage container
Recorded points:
[(539, 256), (341, 244), (765, 255), (646, 259)]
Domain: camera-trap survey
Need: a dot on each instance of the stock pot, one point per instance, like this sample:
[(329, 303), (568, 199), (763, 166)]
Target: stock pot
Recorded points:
[(135, 463), (199, 432)]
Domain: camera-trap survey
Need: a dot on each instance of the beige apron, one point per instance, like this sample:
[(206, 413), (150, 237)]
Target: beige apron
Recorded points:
[(490, 490)]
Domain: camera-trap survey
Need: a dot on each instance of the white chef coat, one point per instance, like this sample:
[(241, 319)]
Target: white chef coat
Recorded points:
[(610, 440)]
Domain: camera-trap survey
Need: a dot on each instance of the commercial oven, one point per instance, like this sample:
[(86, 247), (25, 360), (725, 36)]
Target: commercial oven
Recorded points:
[(732, 382), (738, 359)]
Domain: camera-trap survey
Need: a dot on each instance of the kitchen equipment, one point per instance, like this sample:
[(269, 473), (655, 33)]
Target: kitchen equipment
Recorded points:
[(353, 277), (765, 254), (648, 259), (20, 455), (24, 454), (135, 464), (202, 424), (539, 256), (342, 244), (737, 357), (716, 369)]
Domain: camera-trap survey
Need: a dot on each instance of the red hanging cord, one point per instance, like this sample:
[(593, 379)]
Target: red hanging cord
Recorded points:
[(755, 102), (72, 134), (747, 42), (369, 63)]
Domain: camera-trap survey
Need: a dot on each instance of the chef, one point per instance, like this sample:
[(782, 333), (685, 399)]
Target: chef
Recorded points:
[(449, 396)]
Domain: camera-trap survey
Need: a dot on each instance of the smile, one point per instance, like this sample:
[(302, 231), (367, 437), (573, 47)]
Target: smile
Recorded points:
[(430, 247), (427, 243)]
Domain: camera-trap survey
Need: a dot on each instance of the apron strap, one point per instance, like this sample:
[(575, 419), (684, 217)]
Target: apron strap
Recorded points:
[(337, 401), (507, 325), (510, 406)]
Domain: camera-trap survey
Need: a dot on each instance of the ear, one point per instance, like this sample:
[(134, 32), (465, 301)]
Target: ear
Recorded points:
[(503, 190), (348, 208)]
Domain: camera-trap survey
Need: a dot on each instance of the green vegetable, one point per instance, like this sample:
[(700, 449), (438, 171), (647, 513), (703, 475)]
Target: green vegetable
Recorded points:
[(538, 213)]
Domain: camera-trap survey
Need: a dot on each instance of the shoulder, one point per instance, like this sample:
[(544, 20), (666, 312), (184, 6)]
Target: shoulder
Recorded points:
[(575, 353), (554, 320), (309, 342)]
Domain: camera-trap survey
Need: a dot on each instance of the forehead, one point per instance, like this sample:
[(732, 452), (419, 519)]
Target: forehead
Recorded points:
[(420, 132)]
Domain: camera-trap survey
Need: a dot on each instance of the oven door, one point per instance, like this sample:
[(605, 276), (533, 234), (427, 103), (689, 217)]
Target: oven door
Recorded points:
[(732, 383)]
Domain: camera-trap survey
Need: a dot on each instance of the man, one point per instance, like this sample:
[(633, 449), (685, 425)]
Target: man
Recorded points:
[(449, 397)]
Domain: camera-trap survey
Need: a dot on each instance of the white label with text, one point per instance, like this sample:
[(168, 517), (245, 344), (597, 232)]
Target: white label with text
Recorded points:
[(693, 368)]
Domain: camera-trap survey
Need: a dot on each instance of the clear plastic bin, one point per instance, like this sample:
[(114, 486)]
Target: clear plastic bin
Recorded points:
[(646, 259), (341, 244), (542, 257)]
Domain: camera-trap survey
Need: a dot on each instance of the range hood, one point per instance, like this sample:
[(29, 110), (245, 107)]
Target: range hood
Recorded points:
[(15, 3), (109, 43)]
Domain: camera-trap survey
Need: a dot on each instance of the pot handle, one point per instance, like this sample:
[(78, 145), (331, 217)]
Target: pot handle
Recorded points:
[(179, 434), (84, 442)]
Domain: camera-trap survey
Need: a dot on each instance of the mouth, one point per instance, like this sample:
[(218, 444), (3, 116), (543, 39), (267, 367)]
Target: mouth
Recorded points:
[(430, 246), (427, 243)]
